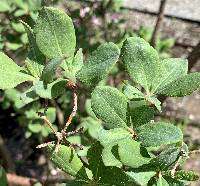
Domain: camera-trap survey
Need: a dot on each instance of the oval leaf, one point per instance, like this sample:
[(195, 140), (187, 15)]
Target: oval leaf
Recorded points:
[(156, 134), (55, 34), (99, 64), (67, 160), (35, 60), (182, 86), (141, 61), (110, 105), (170, 70), (130, 154)]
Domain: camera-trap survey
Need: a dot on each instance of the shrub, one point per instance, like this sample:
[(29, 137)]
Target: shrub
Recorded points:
[(131, 148)]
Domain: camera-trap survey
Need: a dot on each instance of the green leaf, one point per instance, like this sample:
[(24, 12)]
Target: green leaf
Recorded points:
[(55, 34), (18, 27), (99, 64), (10, 73), (109, 139), (185, 175), (67, 160), (141, 61), (35, 60), (29, 96), (163, 45), (141, 178), (110, 105), (132, 92), (13, 95), (154, 101), (93, 126), (51, 114), (34, 128), (162, 182), (72, 68), (49, 70), (20, 12), (21, 4), (141, 115), (49, 91), (159, 133), (182, 86), (88, 108), (3, 179), (116, 177), (4, 6), (130, 154), (96, 164), (13, 46), (170, 70), (166, 159), (173, 182)]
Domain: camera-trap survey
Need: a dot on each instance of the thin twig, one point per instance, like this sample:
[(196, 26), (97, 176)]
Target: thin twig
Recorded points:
[(63, 134), (173, 171), (158, 22), (72, 86), (48, 123)]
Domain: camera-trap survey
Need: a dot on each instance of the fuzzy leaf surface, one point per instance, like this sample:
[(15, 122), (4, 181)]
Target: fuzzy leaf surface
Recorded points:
[(110, 105), (166, 159), (132, 92), (67, 160), (170, 70), (55, 34), (159, 133), (49, 70), (141, 115), (99, 64), (186, 175), (35, 60), (182, 86), (153, 100), (141, 61), (77, 62)]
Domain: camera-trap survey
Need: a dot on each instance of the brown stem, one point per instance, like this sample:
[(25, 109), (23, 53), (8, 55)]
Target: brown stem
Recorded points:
[(71, 85), (73, 113), (9, 164), (193, 56), (173, 171), (158, 22), (48, 124), (14, 179)]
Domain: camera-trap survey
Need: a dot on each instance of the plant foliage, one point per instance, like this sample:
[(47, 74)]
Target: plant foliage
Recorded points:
[(122, 152)]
